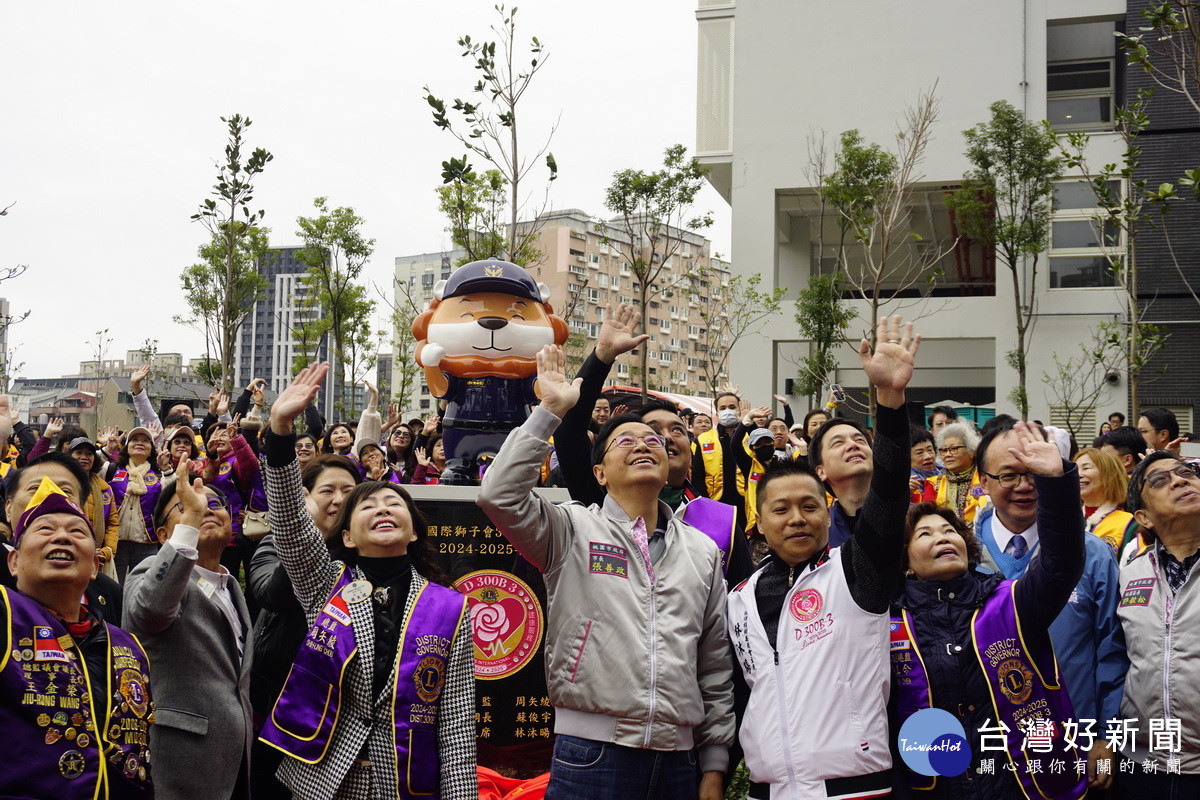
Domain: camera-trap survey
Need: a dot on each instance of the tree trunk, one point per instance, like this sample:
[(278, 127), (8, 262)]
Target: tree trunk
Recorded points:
[(1134, 333), (1023, 397)]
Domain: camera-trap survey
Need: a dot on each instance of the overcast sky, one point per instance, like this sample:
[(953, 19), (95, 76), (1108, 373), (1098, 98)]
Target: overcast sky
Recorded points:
[(112, 130)]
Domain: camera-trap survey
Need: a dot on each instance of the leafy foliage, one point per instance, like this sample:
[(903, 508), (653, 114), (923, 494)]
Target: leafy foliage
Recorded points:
[(742, 309), (823, 317)]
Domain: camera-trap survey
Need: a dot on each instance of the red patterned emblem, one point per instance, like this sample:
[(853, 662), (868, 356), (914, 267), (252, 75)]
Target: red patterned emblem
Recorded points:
[(506, 622), (806, 605)]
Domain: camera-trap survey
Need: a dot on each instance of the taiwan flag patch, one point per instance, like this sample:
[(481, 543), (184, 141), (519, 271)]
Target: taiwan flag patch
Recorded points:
[(338, 609), (46, 646), (898, 638)]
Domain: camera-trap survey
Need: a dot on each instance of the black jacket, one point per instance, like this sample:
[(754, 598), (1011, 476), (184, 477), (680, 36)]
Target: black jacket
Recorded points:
[(280, 628)]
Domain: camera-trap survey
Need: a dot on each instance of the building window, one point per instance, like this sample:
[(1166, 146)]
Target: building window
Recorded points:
[(1082, 248), (1080, 74)]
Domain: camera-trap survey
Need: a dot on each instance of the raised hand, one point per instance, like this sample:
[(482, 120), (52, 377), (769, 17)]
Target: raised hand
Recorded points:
[(222, 404), (191, 495), (139, 375), (296, 397), (728, 387), (213, 397), (780, 399), (431, 423), (164, 461), (422, 456), (559, 394), (890, 367), (232, 427), (372, 394), (617, 333), (1037, 455), (54, 427)]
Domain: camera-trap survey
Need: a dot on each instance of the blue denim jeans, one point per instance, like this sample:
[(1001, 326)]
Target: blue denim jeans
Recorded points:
[(584, 769)]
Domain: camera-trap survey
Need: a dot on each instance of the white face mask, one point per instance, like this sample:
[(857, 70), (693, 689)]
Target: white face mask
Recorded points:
[(727, 417)]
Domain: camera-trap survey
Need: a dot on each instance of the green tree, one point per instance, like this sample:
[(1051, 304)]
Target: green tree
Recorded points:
[(476, 205), (742, 309), (207, 370), (1005, 202), (335, 252), (487, 125), (406, 373), (1124, 212), (823, 317), (651, 220), (223, 287), (1166, 48), (207, 285)]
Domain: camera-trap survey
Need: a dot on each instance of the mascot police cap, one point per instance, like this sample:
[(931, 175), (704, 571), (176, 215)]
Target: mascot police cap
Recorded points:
[(492, 275)]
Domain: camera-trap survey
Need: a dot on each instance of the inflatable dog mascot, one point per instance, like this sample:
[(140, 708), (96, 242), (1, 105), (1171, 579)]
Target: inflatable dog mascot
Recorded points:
[(478, 343)]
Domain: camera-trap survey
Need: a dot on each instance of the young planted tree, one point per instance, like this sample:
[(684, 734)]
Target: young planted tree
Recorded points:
[(1166, 48), (1005, 202), (406, 373), (335, 252), (1076, 382), (207, 283), (652, 211), (476, 205), (225, 285), (823, 317), (742, 309), (872, 191), (487, 124), (1124, 212)]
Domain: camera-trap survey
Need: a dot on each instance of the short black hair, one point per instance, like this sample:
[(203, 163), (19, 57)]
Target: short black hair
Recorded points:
[(63, 459), (995, 426), (917, 435), (657, 404), (1125, 440), (598, 447), (950, 413), (1120, 417), (324, 461), (68, 435), (818, 439), (717, 399), (779, 468), (1137, 480), (167, 496), (1162, 420), (176, 419), (420, 551)]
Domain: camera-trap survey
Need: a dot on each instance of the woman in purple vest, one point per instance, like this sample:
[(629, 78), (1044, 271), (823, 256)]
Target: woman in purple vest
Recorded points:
[(977, 646), (373, 465), (380, 699), (135, 481)]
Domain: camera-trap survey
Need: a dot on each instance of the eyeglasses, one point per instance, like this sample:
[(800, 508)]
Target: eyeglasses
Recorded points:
[(1161, 478), (949, 451), (1010, 479), (627, 442), (214, 504)]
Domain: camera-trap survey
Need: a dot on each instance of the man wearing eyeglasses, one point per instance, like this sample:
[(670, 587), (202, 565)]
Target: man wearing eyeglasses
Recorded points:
[(192, 619), (1160, 622), (1091, 661), (637, 661)]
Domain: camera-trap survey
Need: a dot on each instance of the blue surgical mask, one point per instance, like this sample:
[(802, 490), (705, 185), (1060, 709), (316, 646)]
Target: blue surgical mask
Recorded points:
[(727, 417)]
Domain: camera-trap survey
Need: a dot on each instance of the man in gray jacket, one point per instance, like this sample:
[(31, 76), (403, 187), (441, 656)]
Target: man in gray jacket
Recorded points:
[(637, 661), (193, 622), (1159, 612)]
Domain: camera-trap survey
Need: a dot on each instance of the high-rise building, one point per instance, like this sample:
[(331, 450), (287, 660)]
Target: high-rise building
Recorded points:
[(266, 345), (756, 121), (585, 264)]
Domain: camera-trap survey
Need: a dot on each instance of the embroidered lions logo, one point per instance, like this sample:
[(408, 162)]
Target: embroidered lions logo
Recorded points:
[(430, 677), (1016, 681)]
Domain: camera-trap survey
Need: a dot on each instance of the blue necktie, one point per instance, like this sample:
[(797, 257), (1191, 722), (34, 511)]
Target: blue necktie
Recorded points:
[(1016, 547)]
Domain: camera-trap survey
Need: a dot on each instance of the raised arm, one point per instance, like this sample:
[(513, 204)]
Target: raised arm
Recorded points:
[(873, 551), (370, 424), (141, 399), (1044, 589), (299, 542), (536, 528), (570, 439)]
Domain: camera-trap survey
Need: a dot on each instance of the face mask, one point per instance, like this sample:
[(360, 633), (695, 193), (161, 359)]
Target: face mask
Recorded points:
[(764, 453), (728, 418)]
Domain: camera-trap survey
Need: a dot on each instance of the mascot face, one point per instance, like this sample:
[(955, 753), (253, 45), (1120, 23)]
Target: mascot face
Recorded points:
[(490, 325)]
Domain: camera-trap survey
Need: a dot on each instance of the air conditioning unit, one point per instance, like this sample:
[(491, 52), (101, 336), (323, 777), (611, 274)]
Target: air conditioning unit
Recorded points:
[(581, 259)]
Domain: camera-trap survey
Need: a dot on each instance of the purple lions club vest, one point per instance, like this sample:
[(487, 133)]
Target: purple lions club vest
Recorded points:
[(226, 482), (74, 741), (716, 520), (1022, 688), (120, 483), (305, 715)]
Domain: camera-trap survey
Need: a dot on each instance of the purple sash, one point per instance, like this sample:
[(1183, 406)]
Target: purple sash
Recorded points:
[(50, 709), (305, 716), (120, 482), (1022, 688), (716, 520)]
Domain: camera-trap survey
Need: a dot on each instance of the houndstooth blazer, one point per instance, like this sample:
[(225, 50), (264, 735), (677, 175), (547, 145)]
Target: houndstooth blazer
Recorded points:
[(363, 719)]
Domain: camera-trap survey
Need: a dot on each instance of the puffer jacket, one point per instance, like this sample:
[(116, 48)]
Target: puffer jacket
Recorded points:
[(628, 661)]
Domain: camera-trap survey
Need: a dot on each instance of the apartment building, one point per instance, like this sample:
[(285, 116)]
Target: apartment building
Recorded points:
[(761, 100)]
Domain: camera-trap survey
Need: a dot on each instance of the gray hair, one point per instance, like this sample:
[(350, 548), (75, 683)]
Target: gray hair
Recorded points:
[(959, 430)]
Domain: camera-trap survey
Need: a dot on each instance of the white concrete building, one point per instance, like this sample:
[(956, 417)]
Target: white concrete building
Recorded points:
[(771, 72)]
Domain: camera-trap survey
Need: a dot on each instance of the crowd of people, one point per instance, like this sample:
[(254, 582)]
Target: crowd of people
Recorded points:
[(256, 589)]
